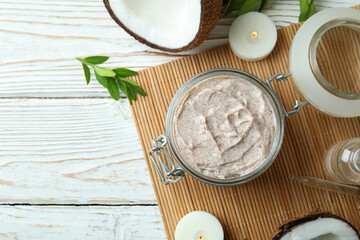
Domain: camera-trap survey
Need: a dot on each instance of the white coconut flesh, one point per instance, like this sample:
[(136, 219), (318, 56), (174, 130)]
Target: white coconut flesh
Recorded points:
[(322, 229), (167, 23)]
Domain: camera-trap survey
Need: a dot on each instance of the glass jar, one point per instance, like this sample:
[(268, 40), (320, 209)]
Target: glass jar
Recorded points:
[(174, 174), (334, 57), (342, 162), (325, 61)]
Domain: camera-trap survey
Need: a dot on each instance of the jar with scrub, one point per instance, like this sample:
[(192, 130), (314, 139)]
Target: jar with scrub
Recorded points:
[(224, 127)]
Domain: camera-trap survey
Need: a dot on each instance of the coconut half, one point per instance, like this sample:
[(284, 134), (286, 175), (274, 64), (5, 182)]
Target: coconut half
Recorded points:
[(168, 25), (317, 226)]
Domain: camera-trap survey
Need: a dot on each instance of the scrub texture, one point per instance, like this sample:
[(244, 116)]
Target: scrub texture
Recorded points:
[(225, 127)]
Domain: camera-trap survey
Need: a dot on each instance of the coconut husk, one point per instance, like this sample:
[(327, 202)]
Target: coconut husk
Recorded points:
[(210, 15), (306, 217)]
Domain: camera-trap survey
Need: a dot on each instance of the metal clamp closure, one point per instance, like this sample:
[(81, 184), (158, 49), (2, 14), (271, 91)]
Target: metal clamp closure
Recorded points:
[(284, 77), (173, 175)]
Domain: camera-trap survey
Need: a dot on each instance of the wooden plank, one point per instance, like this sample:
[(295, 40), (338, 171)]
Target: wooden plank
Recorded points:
[(71, 151), (91, 223), (40, 40)]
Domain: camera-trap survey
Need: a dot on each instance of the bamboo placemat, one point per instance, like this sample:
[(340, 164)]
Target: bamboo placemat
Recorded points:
[(255, 209)]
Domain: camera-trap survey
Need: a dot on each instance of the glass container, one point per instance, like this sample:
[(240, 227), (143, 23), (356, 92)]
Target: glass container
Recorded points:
[(325, 61), (342, 161), (176, 173), (335, 57)]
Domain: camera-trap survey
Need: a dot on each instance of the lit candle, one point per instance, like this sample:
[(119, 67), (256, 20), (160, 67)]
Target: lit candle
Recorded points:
[(199, 225), (252, 36)]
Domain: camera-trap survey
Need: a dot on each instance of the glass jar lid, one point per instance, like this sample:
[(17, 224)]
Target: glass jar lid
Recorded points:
[(325, 61)]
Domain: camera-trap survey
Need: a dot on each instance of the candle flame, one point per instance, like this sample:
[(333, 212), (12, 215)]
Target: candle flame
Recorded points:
[(254, 34)]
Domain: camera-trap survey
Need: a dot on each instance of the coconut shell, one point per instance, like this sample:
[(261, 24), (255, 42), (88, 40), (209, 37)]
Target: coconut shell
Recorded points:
[(210, 15), (306, 217)]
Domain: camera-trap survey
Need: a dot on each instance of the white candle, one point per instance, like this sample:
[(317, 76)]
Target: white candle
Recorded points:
[(199, 225), (252, 36)]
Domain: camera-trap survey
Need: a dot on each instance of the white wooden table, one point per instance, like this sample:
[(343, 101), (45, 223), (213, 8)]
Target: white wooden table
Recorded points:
[(71, 166)]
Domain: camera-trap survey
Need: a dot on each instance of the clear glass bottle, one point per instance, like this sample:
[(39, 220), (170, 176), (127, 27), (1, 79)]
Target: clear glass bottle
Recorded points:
[(343, 161)]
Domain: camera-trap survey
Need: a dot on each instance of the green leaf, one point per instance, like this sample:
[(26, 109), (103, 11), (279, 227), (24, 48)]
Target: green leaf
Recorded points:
[(307, 9), (104, 71), (304, 8), (312, 9), (234, 5), (137, 90), (248, 6), (131, 93), (102, 80), (112, 79), (87, 73), (126, 90), (122, 87), (140, 91), (81, 60), (113, 88), (132, 82), (96, 59), (263, 4), (124, 72), (132, 87)]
